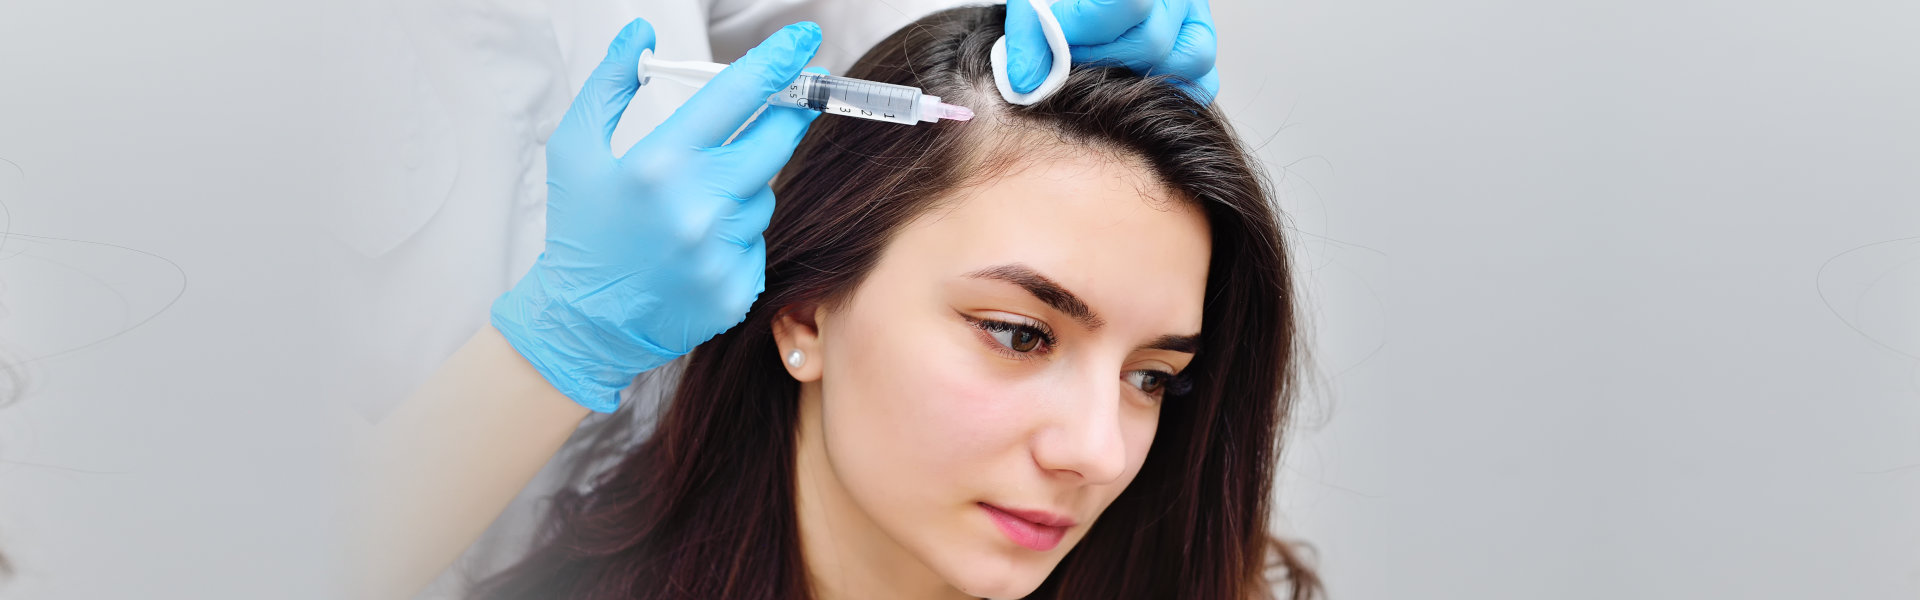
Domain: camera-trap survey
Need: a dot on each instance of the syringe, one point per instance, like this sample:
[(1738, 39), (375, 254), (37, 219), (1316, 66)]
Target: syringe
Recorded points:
[(828, 94)]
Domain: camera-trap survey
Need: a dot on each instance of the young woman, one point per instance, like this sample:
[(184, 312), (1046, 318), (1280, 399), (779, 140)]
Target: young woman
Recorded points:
[(1046, 353)]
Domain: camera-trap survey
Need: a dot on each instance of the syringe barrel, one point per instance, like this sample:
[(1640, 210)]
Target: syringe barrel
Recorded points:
[(852, 98)]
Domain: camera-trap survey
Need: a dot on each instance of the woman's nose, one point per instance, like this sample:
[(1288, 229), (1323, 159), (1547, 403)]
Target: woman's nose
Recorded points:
[(1083, 433)]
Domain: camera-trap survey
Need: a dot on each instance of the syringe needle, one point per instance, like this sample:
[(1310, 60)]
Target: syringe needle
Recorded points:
[(954, 112)]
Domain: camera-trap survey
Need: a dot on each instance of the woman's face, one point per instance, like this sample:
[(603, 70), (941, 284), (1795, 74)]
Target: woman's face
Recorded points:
[(1008, 351)]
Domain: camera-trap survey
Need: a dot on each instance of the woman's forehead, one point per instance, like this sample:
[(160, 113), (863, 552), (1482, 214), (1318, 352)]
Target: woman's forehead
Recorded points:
[(1102, 228)]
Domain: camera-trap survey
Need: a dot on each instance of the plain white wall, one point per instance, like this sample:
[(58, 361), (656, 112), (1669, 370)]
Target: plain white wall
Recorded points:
[(191, 456), (1611, 299), (1567, 262)]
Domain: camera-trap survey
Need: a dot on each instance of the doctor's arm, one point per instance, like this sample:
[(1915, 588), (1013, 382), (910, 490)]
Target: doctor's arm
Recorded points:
[(441, 467), (647, 255)]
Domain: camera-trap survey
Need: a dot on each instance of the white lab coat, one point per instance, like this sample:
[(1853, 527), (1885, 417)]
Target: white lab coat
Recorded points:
[(443, 206)]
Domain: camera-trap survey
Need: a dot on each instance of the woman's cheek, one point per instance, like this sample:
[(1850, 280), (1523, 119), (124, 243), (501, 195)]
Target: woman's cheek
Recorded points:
[(968, 402)]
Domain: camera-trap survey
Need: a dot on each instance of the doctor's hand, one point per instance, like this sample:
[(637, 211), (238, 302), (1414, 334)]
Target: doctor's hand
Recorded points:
[(654, 252), (1152, 37)]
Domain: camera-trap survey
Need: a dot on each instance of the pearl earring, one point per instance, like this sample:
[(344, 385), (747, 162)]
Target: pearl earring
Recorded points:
[(796, 358)]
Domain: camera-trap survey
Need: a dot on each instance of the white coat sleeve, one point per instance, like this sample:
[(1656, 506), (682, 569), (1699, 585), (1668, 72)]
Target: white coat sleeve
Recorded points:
[(502, 75), (850, 27)]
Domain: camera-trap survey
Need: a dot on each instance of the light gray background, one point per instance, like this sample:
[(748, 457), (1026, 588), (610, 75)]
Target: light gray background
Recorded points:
[(1611, 299)]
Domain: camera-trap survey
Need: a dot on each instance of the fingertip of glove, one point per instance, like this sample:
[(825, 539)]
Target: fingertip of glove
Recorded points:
[(809, 38), (803, 36), (636, 36), (1207, 88), (788, 49), (1025, 74)]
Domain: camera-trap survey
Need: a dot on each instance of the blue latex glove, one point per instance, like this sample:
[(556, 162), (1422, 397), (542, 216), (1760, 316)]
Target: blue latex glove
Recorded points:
[(653, 253), (1152, 37)]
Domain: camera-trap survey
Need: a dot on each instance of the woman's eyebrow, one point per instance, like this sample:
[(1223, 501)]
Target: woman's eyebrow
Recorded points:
[(1044, 289), (1057, 296), (1189, 344)]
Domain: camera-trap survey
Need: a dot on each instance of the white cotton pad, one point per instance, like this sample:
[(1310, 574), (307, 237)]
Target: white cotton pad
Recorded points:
[(1056, 43)]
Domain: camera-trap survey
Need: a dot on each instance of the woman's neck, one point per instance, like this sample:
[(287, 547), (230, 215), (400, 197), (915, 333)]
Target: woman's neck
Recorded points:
[(848, 557)]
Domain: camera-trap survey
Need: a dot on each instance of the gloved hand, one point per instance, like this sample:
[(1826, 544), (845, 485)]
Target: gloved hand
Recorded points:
[(653, 253), (1151, 37)]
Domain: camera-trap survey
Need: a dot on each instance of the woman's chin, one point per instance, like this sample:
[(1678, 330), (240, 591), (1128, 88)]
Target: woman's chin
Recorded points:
[(1000, 576), (999, 590)]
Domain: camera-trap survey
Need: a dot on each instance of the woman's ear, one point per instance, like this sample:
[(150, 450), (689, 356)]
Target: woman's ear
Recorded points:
[(796, 331)]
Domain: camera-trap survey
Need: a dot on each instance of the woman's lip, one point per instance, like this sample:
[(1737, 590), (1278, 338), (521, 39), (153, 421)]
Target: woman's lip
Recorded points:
[(1038, 517), (1029, 534)]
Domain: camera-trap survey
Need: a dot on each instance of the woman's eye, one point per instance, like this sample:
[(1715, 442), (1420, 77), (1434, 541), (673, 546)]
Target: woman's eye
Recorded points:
[(1019, 338), (1016, 337), (1150, 382)]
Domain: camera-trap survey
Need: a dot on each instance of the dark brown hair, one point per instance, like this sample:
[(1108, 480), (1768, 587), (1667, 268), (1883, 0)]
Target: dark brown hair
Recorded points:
[(704, 508)]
